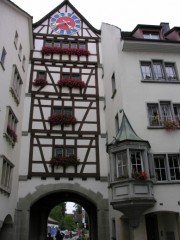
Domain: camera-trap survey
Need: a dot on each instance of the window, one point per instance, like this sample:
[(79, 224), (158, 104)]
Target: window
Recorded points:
[(16, 39), (75, 76), (23, 63), (158, 71), (3, 56), (63, 152), (113, 82), (74, 45), (121, 164), (6, 170), (82, 45), (20, 51), (48, 43), (67, 111), (116, 123), (136, 161), (57, 44), (41, 74), (16, 84), (151, 35), (11, 126), (167, 167), (162, 112), (65, 45)]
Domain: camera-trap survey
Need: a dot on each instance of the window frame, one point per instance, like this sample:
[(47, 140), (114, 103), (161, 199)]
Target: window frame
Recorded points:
[(159, 107), (11, 122), (16, 84), (167, 168), (66, 111), (64, 151), (151, 35), (113, 84), (16, 37), (154, 71), (6, 174), (3, 57)]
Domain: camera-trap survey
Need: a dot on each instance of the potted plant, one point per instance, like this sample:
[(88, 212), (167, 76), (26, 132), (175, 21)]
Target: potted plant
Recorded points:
[(141, 175), (39, 82), (170, 125), (64, 161), (69, 51), (60, 119), (11, 132), (71, 83)]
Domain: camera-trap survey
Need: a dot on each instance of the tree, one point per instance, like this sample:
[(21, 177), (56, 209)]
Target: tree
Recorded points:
[(58, 213)]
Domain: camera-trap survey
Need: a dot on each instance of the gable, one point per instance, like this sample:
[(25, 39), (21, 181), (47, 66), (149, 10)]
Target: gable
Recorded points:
[(65, 20)]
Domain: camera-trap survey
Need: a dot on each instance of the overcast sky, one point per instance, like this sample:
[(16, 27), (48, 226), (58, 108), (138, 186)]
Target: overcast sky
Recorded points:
[(123, 14)]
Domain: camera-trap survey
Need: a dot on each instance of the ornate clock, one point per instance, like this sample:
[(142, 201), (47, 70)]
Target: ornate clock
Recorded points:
[(65, 23)]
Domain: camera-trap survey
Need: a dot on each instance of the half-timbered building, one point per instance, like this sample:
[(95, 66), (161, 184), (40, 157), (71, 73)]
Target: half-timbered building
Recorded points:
[(63, 155)]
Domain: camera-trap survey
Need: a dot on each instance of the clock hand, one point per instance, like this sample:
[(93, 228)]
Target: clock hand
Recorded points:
[(67, 24)]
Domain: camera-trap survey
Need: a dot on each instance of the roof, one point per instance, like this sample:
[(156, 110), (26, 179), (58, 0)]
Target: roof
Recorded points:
[(126, 133), (17, 7), (66, 2)]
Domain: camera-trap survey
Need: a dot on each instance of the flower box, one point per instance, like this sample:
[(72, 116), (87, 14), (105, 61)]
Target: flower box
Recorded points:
[(11, 132), (71, 83), (60, 119), (39, 82), (69, 51), (170, 125), (142, 175), (64, 161)]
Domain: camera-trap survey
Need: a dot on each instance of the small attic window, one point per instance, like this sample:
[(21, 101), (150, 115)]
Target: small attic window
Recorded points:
[(151, 35)]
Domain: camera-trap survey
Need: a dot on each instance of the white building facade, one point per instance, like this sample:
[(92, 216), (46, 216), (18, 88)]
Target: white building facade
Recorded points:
[(141, 82), (15, 45), (93, 118)]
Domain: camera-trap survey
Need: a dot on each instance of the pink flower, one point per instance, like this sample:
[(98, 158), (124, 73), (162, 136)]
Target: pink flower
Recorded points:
[(71, 83), (70, 51), (61, 119), (40, 82)]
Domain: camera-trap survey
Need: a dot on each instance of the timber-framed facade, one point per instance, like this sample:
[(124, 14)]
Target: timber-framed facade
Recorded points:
[(70, 58)]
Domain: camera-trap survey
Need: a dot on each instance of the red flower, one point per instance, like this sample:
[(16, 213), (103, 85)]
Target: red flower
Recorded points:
[(71, 83), (142, 175), (64, 161), (11, 132), (40, 82), (61, 119), (70, 51), (170, 124)]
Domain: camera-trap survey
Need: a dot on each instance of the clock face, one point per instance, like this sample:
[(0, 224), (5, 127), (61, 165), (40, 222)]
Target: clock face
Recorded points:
[(65, 23)]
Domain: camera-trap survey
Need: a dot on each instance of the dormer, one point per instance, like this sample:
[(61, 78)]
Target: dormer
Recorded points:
[(173, 34), (150, 32)]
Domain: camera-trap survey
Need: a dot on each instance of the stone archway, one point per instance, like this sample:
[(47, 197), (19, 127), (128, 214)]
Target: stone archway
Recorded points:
[(32, 210)]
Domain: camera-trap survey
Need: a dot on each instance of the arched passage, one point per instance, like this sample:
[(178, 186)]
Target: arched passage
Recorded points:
[(33, 210), (39, 212)]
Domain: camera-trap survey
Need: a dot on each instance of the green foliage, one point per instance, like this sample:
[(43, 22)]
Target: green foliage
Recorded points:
[(69, 222), (58, 213)]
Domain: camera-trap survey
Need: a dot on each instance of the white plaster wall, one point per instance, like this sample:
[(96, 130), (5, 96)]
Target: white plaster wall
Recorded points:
[(12, 20), (132, 96)]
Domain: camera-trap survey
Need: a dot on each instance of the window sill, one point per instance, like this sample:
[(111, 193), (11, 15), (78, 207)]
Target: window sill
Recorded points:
[(160, 81), (5, 190), (9, 139)]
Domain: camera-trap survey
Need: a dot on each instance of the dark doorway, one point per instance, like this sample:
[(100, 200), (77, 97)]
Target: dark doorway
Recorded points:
[(152, 227)]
